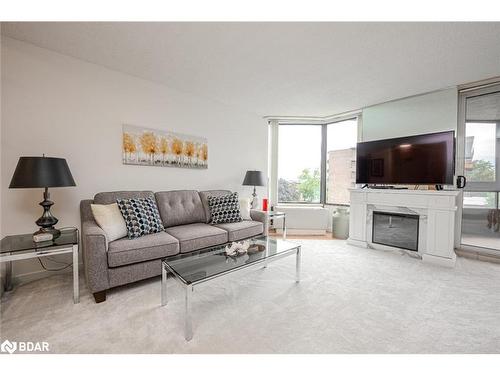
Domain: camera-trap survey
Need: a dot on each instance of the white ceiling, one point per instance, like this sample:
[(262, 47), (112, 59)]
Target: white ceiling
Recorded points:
[(302, 69)]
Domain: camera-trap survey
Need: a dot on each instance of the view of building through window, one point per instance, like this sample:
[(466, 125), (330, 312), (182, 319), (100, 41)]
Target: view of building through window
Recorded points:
[(341, 160), (299, 162)]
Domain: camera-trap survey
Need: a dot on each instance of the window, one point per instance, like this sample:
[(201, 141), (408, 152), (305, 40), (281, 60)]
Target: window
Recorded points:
[(479, 134), (480, 153), (299, 163), (340, 160), (480, 199), (306, 174)]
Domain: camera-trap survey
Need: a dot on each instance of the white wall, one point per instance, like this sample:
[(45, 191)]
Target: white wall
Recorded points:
[(428, 113), (65, 107)]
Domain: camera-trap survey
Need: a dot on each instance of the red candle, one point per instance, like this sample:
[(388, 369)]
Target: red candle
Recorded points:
[(264, 204)]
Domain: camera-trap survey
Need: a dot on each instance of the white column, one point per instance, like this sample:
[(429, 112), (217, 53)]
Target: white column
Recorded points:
[(273, 162)]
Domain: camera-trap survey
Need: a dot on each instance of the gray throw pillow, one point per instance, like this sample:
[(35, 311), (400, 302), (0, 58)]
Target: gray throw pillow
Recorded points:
[(224, 208)]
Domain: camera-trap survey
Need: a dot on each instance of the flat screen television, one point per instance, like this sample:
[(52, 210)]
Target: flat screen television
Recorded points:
[(427, 159)]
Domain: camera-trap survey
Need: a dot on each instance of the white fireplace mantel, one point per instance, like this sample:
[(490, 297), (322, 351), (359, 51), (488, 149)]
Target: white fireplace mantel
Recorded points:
[(437, 212)]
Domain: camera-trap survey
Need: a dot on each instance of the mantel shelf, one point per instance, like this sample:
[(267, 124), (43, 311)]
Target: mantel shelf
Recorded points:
[(407, 191)]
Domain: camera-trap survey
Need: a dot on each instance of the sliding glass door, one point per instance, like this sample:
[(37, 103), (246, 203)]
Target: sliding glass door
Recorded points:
[(479, 152)]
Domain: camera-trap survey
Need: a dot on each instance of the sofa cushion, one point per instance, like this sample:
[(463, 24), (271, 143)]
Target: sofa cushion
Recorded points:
[(113, 196), (110, 219), (180, 207), (204, 200), (197, 236), (242, 229), (152, 246), (245, 207)]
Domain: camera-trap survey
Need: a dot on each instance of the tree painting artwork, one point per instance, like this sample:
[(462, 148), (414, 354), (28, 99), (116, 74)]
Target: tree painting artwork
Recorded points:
[(144, 146)]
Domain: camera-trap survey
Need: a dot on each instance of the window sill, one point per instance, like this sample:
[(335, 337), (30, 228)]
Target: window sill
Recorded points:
[(299, 204)]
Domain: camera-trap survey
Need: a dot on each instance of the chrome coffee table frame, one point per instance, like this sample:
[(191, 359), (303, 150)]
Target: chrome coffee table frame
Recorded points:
[(189, 286)]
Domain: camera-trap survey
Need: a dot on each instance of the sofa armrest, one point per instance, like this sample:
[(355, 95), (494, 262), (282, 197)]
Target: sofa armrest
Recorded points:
[(95, 257), (261, 216)]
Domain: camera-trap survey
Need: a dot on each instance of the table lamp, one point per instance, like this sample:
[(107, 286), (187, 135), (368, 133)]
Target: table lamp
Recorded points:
[(42, 172), (254, 178)]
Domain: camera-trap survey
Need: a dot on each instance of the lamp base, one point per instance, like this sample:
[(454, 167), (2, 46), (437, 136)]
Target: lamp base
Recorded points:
[(255, 200), (47, 221), (53, 231), (255, 203)]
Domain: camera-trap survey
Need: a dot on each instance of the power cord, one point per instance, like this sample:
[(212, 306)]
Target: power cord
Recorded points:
[(66, 265), (54, 269)]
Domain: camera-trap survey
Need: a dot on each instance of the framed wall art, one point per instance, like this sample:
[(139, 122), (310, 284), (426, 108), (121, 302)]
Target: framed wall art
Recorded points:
[(145, 146)]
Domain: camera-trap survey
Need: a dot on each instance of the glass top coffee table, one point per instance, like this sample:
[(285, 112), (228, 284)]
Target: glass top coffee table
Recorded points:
[(201, 266)]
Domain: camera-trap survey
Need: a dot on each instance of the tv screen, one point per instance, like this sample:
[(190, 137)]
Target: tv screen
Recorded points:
[(426, 159)]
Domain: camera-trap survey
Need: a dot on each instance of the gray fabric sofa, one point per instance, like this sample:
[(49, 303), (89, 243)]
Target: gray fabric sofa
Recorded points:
[(186, 218)]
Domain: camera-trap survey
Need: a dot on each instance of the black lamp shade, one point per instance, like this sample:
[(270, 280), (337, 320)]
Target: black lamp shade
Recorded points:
[(41, 172), (254, 178)]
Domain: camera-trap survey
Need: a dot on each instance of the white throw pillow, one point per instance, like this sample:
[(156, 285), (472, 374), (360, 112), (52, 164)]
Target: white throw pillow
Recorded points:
[(245, 204), (110, 219)]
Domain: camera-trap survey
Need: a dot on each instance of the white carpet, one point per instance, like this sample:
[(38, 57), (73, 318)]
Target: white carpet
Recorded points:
[(350, 300)]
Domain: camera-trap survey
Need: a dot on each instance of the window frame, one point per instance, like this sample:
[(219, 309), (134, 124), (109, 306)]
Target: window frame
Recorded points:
[(321, 169), (324, 152), (473, 187)]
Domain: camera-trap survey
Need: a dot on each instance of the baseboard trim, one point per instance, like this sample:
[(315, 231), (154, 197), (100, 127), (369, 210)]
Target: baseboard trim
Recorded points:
[(439, 261), (478, 255), (358, 243), (302, 232)]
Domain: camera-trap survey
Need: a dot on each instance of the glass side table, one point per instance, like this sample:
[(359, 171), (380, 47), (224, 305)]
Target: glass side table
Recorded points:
[(271, 215), (21, 246)]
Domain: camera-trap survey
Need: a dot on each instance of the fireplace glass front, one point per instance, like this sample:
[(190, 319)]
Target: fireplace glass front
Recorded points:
[(396, 230)]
